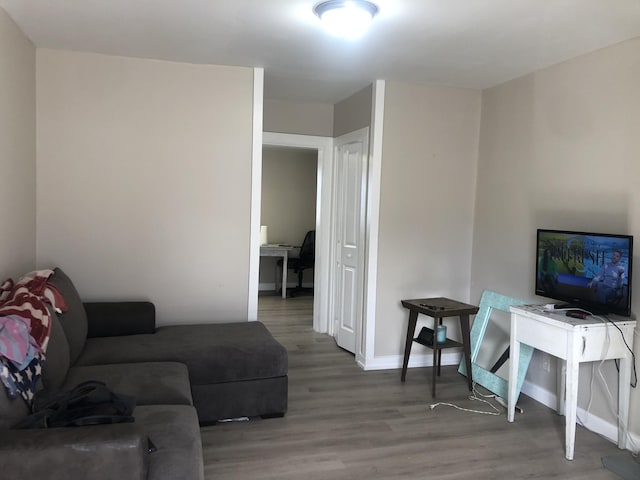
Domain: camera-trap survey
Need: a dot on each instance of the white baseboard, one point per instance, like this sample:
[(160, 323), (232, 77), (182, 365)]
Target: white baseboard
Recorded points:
[(391, 362), (588, 420), (539, 394)]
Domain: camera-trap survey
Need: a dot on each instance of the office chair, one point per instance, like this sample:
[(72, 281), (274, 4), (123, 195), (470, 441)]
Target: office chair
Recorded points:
[(305, 260)]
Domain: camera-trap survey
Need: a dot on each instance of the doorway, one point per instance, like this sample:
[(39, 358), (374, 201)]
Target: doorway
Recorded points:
[(323, 147), (322, 313), (288, 213)]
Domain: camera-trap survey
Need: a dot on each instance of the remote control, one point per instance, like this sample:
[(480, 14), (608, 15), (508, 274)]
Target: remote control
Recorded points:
[(431, 307), (576, 314)]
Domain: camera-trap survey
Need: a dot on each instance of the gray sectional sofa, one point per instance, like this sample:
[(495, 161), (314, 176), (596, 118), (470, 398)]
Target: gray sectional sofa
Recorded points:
[(181, 377)]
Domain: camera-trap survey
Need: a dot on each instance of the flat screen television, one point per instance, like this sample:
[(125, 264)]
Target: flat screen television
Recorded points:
[(586, 270)]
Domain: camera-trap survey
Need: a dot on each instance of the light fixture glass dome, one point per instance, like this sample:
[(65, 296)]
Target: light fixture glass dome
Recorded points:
[(346, 18)]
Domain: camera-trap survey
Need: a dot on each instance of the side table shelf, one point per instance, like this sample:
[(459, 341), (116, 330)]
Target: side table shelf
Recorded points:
[(449, 343), (438, 308), (426, 337)]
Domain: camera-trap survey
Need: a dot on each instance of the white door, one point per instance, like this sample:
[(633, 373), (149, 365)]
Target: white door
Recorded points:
[(350, 174)]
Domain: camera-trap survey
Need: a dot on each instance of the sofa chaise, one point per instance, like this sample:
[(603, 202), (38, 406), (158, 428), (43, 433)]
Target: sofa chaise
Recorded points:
[(181, 377)]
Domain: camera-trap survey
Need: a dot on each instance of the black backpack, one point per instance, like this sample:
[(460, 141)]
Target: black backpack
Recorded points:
[(88, 403)]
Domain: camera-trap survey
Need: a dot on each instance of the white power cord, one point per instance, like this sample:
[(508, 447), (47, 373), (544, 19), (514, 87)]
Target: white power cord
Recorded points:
[(475, 396)]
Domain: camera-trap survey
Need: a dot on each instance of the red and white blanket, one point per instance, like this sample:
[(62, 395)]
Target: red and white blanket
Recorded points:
[(27, 298)]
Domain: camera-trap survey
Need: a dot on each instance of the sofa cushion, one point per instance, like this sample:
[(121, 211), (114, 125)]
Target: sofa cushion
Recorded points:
[(74, 320), (96, 452), (151, 383), (115, 319), (56, 362), (175, 432), (215, 352), (11, 410)]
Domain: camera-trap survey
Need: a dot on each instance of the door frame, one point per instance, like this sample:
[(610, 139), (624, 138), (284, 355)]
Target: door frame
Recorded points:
[(324, 147), (365, 341), (256, 193)]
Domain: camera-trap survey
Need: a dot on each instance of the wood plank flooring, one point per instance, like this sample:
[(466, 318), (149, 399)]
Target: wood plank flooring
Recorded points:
[(345, 423)]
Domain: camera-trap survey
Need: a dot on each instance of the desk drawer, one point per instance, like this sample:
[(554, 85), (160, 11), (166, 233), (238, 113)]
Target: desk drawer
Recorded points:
[(594, 344), (551, 339)]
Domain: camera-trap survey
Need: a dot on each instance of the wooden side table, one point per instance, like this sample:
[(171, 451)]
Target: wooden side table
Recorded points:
[(438, 308)]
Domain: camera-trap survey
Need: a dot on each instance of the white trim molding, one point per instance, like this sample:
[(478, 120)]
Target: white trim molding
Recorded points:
[(365, 356), (587, 419), (390, 362), (256, 194)]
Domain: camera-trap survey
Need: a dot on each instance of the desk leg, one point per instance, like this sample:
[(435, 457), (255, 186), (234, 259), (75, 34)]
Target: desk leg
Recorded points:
[(514, 360), (623, 400), (561, 385), (466, 342), (285, 260), (571, 401), (411, 329)]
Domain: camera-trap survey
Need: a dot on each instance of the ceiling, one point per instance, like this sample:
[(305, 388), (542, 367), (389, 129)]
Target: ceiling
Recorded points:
[(463, 43)]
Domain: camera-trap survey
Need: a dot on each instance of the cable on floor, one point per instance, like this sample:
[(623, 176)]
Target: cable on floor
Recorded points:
[(475, 396)]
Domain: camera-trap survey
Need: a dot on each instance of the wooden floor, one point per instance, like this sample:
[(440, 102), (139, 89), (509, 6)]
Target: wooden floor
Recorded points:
[(345, 423)]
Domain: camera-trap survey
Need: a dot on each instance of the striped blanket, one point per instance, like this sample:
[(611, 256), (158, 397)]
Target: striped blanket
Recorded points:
[(23, 304)]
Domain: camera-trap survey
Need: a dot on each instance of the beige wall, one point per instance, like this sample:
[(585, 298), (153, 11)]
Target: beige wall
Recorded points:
[(427, 193), (289, 178), (17, 150), (144, 181), (299, 118), (558, 149), (353, 113)]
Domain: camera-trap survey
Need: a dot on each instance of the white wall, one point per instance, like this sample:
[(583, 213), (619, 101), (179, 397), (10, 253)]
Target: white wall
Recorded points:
[(558, 149), (143, 181), (17, 151), (429, 158)]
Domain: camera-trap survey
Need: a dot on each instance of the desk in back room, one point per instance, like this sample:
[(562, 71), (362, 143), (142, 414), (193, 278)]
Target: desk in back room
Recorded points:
[(270, 250)]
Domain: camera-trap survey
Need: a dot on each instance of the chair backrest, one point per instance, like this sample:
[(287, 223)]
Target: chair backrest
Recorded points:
[(308, 248)]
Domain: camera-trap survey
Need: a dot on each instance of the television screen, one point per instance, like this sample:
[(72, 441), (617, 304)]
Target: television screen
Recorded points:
[(586, 270)]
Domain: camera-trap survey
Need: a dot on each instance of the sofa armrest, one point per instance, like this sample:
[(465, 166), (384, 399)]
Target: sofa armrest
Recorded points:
[(100, 452), (112, 319)]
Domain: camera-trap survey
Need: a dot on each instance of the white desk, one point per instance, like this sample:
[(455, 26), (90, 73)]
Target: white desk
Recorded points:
[(278, 251), (573, 341)]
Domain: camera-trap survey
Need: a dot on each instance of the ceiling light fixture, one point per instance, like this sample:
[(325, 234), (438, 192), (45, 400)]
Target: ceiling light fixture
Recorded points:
[(346, 18)]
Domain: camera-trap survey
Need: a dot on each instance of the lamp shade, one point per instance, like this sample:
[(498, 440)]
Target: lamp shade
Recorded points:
[(346, 18)]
